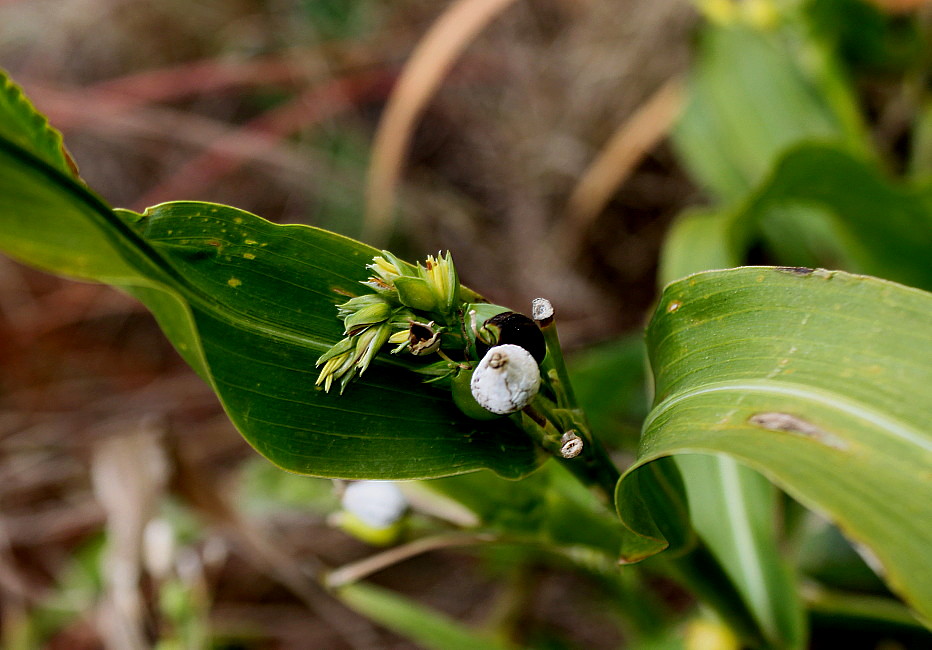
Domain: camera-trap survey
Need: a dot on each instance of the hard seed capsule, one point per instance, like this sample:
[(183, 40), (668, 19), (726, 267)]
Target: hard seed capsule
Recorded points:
[(511, 328), (373, 511), (462, 397), (506, 379)]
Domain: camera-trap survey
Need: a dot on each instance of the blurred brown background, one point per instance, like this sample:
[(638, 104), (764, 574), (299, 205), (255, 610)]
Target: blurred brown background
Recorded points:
[(274, 107)]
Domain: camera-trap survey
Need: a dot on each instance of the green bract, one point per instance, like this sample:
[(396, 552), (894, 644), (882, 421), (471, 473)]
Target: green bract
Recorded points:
[(402, 309)]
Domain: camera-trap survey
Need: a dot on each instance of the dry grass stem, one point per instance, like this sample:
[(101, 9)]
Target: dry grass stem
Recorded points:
[(201, 78), (356, 571), (429, 63), (130, 474), (66, 109), (633, 140)]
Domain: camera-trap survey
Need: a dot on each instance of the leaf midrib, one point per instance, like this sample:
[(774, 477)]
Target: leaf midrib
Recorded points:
[(890, 425), (143, 258)]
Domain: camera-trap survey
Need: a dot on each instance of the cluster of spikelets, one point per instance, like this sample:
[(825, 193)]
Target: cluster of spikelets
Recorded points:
[(490, 355), (407, 303)]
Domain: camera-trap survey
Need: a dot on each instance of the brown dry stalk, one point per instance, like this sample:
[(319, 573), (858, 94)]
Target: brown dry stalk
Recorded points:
[(356, 571), (633, 140), (171, 83), (431, 60)]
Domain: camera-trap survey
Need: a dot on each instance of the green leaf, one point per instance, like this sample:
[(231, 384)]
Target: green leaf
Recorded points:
[(428, 628), (753, 101), (733, 509), (772, 130), (549, 507), (656, 513), (877, 615), (814, 205), (23, 125), (823, 554), (610, 381), (885, 228), (822, 200), (819, 380), (752, 95), (699, 240), (251, 306), (868, 37)]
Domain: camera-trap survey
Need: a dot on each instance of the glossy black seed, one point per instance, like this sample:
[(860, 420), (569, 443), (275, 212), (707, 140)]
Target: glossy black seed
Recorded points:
[(516, 329)]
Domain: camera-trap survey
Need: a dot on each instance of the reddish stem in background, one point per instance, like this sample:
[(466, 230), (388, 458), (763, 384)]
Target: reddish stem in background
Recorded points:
[(266, 131), (203, 77)]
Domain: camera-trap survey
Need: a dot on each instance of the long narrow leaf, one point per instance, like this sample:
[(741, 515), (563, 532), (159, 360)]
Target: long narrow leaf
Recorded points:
[(820, 381), (250, 305), (430, 629)]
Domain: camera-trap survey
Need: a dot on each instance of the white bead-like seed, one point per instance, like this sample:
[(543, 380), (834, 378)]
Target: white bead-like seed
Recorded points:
[(506, 379), (377, 503)]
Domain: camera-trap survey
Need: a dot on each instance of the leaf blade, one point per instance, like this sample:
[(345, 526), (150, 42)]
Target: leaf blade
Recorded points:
[(824, 391), (413, 620), (22, 124), (252, 324)]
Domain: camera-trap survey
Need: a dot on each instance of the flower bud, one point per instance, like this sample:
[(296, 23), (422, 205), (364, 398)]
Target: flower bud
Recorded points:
[(367, 315), (386, 269), (368, 344), (416, 293), (441, 275)]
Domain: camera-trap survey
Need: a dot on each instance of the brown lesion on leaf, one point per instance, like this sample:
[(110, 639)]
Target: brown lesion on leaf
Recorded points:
[(789, 423), (803, 271), (795, 270)]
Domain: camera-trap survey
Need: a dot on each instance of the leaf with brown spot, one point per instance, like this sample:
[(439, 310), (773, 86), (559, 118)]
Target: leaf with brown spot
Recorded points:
[(820, 382)]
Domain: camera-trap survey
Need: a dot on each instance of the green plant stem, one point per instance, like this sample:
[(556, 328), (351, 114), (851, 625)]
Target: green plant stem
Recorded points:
[(547, 424), (594, 462), (593, 465), (698, 570), (555, 362)]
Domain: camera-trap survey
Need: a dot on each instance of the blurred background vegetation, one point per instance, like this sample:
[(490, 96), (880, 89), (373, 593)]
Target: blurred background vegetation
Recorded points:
[(553, 158)]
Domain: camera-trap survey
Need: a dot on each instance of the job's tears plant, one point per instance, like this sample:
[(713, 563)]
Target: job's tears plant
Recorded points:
[(487, 356), (336, 360)]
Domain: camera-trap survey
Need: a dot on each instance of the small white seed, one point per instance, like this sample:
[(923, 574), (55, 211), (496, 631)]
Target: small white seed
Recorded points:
[(506, 379), (377, 503)]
